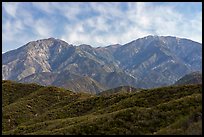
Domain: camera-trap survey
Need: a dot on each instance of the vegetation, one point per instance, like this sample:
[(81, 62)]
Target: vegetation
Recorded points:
[(30, 109)]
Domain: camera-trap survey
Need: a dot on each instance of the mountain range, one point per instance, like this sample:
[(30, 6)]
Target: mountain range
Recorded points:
[(148, 62)]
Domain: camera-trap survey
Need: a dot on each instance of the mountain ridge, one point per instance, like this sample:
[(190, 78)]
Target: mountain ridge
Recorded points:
[(146, 62)]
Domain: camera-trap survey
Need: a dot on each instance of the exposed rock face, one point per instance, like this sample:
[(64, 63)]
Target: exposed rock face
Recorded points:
[(147, 62)]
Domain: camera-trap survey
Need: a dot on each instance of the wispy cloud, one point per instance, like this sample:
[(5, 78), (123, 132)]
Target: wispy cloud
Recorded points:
[(11, 8), (98, 24)]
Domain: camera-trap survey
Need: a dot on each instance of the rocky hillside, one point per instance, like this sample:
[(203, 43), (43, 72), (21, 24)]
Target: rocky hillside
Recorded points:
[(30, 109), (147, 62)]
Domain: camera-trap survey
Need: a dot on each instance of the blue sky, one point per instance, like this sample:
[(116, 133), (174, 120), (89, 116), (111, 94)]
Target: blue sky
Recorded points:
[(98, 24)]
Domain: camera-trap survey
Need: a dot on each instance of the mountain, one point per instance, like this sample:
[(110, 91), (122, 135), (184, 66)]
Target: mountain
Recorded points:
[(38, 60), (31, 109), (147, 62), (192, 78), (33, 57), (159, 60)]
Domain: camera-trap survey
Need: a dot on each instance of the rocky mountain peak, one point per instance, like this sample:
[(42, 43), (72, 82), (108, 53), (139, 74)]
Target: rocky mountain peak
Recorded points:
[(46, 43)]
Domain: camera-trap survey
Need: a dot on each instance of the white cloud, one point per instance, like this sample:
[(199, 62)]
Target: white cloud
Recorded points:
[(43, 28), (23, 26), (46, 7), (11, 8), (13, 35)]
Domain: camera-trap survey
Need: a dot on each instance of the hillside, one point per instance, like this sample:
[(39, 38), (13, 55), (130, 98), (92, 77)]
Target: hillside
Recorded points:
[(33, 109)]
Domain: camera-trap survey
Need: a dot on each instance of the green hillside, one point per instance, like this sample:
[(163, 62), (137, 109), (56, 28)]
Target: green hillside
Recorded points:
[(35, 109)]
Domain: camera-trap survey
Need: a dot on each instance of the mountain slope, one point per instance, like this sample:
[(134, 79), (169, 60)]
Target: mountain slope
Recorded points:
[(51, 110), (34, 57), (159, 60)]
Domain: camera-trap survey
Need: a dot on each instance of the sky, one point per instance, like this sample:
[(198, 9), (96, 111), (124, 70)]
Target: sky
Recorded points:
[(98, 23)]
